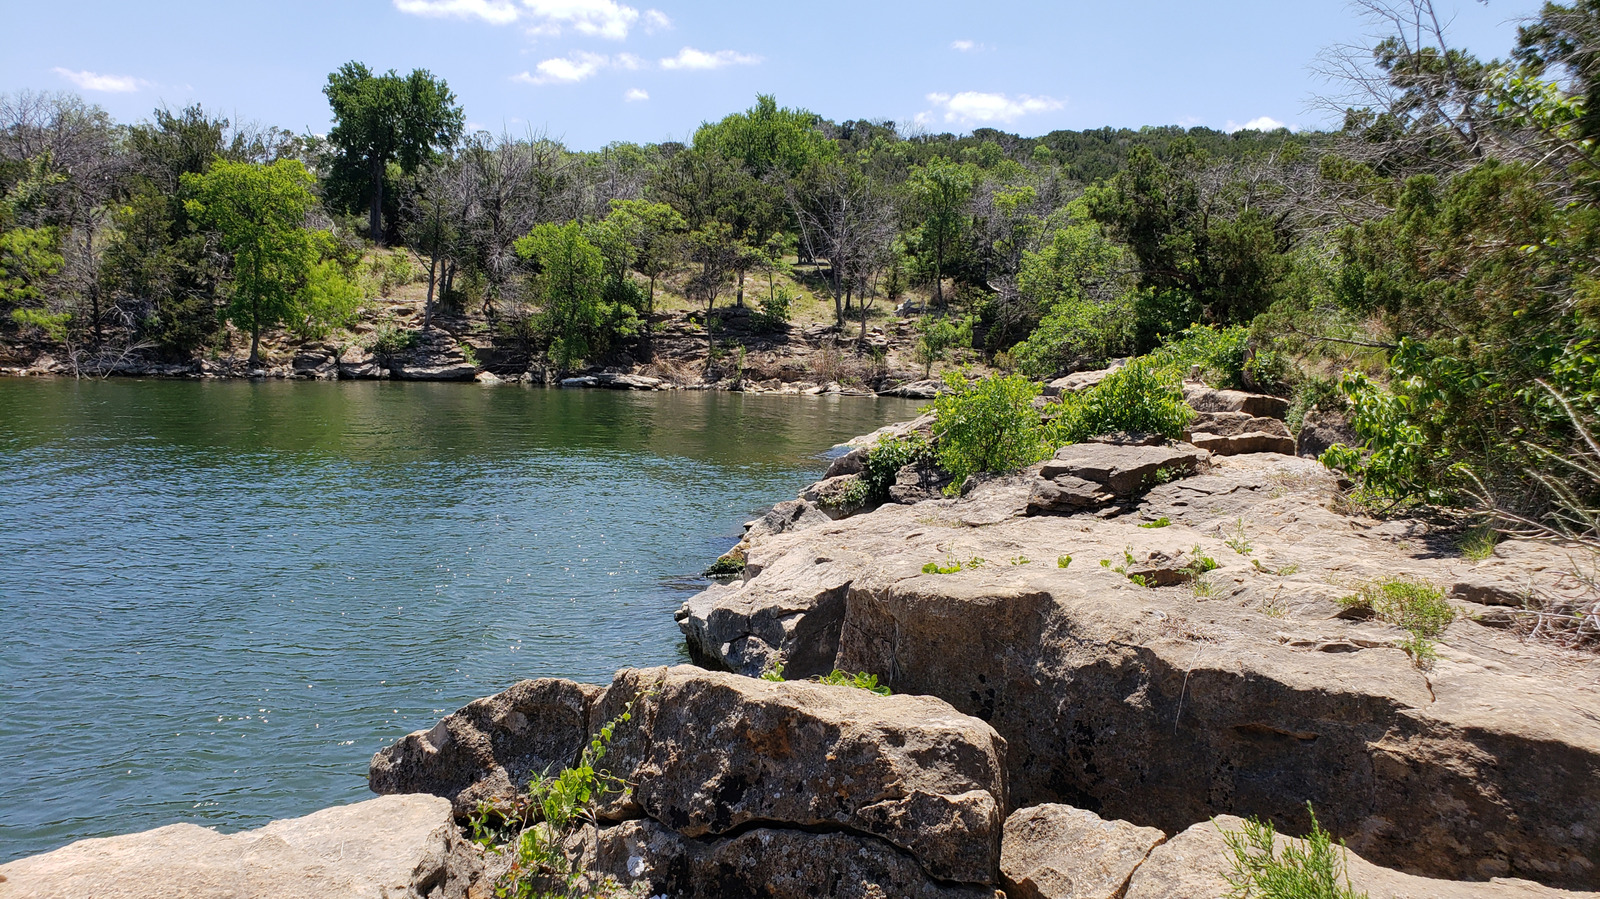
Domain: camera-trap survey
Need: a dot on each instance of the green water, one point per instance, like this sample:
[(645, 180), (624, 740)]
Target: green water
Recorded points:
[(220, 598)]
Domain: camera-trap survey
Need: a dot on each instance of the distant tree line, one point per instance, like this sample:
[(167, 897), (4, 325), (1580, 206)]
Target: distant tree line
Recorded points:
[(1431, 266)]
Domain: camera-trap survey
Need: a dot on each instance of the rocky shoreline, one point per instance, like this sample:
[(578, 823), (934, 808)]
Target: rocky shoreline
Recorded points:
[(1099, 665), (798, 361)]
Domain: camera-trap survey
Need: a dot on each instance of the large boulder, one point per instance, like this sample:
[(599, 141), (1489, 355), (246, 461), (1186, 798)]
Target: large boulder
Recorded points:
[(1197, 864), (750, 631), (489, 750), (715, 754), (402, 847), (449, 371), (1061, 852), (1321, 429), (838, 788)]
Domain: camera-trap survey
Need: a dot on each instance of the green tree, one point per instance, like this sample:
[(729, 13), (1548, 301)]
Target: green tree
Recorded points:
[(257, 214), (383, 119), (578, 321), (646, 237), (1206, 252), (940, 191)]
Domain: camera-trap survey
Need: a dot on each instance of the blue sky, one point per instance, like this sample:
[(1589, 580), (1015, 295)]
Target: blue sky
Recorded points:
[(593, 71)]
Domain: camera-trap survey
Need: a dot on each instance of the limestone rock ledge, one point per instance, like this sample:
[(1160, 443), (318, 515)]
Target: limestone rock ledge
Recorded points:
[(1248, 695), (399, 847)]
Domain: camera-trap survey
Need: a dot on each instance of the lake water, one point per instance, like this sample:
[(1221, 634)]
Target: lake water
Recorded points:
[(218, 599)]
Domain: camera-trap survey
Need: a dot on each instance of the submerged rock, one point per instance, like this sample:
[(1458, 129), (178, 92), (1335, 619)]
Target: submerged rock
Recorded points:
[(403, 847)]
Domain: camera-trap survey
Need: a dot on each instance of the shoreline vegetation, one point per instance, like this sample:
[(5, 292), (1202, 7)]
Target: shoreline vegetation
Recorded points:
[(1258, 494)]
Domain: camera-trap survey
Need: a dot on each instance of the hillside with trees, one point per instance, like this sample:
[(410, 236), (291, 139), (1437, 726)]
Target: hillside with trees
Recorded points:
[(1429, 269)]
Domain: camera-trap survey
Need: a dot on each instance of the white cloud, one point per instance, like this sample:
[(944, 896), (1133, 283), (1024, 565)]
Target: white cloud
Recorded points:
[(635, 95), (495, 12), (627, 61), (1260, 123), (93, 81), (690, 58), (963, 46), (569, 69), (973, 107), (545, 18)]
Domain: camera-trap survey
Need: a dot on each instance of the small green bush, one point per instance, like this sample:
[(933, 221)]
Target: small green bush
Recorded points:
[(1478, 543), (1259, 871), (952, 565), (1226, 357), (884, 461), (1063, 561), (987, 425), (1418, 607), (775, 311), (860, 681), (1161, 522), (1140, 397)]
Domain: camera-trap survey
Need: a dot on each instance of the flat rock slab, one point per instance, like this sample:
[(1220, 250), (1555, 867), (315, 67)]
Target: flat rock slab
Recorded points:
[(1060, 852), (1196, 864), (1124, 469), (393, 846), (1206, 399)]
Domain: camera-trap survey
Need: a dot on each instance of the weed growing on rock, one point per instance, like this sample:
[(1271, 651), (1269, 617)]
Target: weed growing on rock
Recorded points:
[(1416, 606), (860, 681), (1063, 561), (1203, 588), (884, 461), (1238, 540), (1161, 522), (544, 852), (773, 672), (952, 565), (1200, 563), (1312, 871)]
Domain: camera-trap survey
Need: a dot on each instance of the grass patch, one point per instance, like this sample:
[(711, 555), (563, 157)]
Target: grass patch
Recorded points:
[(1478, 543), (1063, 561), (1312, 870), (1161, 522), (1238, 540), (1416, 606)]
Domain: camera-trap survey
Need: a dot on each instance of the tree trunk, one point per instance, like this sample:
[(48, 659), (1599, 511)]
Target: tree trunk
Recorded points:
[(738, 287), (938, 275), (255, 345), (427, 310), (375, 215)]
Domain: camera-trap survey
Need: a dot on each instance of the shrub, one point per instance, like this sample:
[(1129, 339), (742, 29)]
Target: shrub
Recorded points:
[(987, 425), (1418, 607), (1140, 397), (936, 336), (1226, 357), (884, 462), (390, 339), (774, 312), (1076, 334), (1260, 871)]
